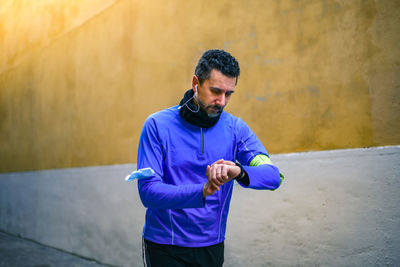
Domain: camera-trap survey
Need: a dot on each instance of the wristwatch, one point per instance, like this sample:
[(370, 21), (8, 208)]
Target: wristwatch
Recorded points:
[(240, 176)]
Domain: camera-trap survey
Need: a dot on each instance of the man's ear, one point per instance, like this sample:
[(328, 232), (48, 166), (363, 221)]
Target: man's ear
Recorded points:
[(195, 83)]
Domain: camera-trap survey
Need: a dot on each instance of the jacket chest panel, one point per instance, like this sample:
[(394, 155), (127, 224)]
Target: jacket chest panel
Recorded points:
[(199, 147)]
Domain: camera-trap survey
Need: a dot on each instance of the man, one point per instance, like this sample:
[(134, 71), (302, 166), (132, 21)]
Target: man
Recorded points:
[(196, 151)]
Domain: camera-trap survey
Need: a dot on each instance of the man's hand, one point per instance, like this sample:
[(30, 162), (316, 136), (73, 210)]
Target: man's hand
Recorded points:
[(209, 189), (219, 173)]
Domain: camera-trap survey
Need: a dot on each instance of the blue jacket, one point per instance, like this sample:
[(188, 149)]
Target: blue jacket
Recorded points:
[(179, 152)]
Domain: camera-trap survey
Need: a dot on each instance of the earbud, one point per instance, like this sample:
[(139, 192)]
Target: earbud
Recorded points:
[(195, 88)]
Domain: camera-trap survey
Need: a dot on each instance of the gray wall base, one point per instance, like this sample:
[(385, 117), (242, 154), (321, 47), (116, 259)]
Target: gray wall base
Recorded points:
[(335, 208)]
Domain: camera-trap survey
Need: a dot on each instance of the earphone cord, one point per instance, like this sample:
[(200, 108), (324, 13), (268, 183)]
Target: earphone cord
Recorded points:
[(185, 104)]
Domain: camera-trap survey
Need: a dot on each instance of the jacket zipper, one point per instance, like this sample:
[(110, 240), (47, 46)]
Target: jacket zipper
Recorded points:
[(172, 227), (202, 141)]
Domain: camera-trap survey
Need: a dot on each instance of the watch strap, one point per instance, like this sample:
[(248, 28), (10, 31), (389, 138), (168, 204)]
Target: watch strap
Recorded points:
[(240, 176)]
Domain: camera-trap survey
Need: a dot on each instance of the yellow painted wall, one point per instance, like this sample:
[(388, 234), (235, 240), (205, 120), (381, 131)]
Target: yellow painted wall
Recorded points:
[(78, 78)]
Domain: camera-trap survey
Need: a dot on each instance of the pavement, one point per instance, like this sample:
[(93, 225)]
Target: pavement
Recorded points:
[(19, 252)]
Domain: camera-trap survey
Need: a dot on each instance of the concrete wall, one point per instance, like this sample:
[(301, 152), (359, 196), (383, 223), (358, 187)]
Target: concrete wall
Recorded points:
[(78, 78), (88, 211), (335, 208)]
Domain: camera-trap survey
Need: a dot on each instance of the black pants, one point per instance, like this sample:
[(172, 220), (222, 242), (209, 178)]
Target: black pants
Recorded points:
[(158, 255)]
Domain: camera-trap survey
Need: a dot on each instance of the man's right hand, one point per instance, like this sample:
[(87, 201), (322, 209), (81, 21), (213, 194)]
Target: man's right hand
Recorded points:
[(209, 189), (219, 173)]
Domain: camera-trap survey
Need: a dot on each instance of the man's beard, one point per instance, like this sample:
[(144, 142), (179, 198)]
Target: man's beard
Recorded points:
[(212, 111)]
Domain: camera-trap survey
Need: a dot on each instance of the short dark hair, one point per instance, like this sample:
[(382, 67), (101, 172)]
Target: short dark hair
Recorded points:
[(219, 60)]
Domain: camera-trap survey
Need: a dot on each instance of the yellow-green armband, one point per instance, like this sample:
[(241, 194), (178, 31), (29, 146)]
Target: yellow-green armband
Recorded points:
[(262, 159)]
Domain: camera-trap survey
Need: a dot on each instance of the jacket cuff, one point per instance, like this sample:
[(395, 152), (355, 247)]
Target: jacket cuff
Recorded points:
[(245, 180)]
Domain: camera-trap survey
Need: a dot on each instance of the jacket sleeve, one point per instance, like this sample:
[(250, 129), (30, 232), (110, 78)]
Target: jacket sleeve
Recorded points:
[(264, 176), (153, 191)]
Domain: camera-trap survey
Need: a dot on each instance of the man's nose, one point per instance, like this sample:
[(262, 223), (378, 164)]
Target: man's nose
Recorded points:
[(221, 100)]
